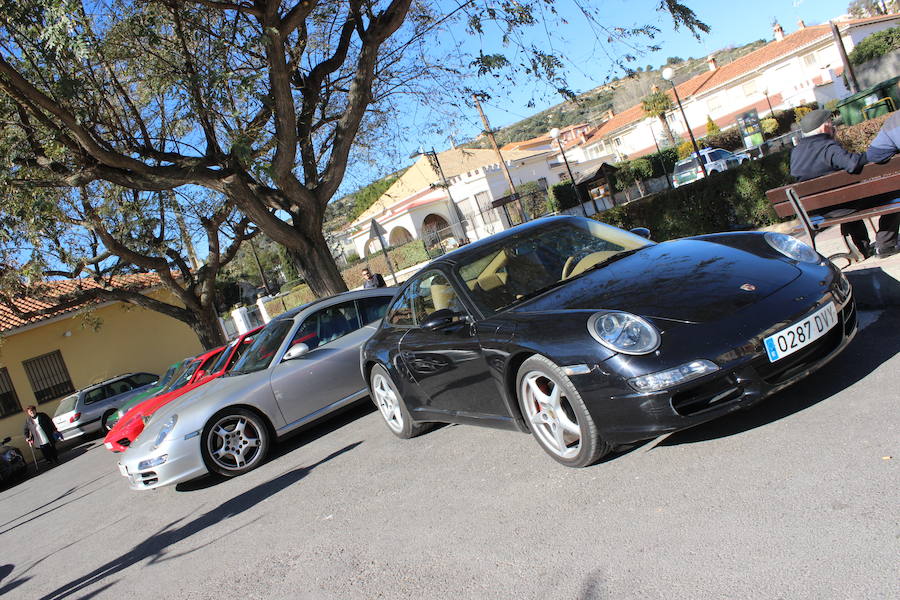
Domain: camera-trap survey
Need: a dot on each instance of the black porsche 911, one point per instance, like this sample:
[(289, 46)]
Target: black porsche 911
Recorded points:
[(589, 336)]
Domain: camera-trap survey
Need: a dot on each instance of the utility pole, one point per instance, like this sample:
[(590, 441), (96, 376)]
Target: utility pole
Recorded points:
[(262, 274), (848, 68), (490, 133)]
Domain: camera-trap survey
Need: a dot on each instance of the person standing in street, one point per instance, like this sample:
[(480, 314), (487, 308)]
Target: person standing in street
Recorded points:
[(40, 430), (372, 280)]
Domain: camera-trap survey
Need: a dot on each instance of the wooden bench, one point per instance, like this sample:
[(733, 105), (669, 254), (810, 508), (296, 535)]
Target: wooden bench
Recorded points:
[(833, 190)]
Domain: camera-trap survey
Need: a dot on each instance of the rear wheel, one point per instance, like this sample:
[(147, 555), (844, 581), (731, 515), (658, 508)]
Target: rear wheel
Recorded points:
[(235, 441), (108, 421), (558, 417), (390, 404)]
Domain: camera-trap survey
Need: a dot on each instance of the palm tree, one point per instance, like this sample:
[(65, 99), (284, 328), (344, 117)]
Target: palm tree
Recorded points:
[(657, 104)]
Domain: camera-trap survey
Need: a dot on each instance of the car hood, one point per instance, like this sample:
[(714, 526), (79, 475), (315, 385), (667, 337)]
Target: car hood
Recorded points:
[(692, 280), (196, 406)]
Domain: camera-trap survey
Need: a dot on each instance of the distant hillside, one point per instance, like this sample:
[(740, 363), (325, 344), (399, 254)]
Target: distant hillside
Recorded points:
[(589, 107), (619, 95)]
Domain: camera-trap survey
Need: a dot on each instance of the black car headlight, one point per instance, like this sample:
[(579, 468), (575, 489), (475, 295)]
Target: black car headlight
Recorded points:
[(623, 332), (792, 247)]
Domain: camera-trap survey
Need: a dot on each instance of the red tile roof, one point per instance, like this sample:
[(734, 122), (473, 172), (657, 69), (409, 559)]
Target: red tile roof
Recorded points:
[(54, 293), (746, 64)]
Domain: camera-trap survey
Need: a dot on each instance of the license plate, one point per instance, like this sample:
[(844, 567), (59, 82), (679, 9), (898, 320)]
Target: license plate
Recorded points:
[(801, 334), (123, 470)]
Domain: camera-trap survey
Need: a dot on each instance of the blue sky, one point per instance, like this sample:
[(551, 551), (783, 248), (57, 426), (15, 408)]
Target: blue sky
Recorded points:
[(731, 24)]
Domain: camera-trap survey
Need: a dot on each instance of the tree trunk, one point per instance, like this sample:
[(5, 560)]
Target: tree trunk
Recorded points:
[(316, 265), (668, 130), (206, 326)]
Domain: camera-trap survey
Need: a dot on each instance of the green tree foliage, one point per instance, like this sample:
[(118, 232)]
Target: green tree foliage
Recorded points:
[(876, 45), (872, 8), (656, 105), (263, 102), (367, 196), (711, 127), (563, 196)]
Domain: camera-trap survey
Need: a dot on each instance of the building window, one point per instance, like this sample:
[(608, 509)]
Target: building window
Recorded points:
[(48, 376), (484, 205), (749, 88), (714, 103), (542, 181), (9, 402), (809, 61)]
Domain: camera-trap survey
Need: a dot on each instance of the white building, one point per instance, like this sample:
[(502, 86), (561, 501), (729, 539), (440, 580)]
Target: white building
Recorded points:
[(417, 205), (795, 69)]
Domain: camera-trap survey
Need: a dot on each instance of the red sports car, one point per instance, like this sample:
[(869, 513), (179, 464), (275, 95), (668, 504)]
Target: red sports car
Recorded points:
[(209, 366)]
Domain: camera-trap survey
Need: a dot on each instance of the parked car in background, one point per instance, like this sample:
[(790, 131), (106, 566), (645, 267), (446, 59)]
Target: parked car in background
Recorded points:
[(212, 365), (89, 410), (301, 367), (716, 160), (12, 463), (161, 386), (589, 336)]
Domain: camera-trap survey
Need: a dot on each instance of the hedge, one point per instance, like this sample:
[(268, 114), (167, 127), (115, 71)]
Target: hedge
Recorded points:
[(727, 201)]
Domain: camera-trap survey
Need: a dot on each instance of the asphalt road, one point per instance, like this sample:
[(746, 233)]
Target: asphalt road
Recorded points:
[(797, 498)]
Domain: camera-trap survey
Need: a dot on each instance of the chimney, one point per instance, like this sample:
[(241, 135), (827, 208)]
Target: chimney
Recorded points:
[(711, 62), (779, 32), (610, 114), (801, 24)]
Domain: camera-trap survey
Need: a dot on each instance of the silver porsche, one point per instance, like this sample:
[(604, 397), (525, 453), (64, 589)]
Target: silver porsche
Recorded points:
[(302, 366)]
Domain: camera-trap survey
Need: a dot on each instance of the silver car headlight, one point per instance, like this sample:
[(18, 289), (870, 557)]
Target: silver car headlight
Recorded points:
[(167, 428), (624, 332), (792, 247)]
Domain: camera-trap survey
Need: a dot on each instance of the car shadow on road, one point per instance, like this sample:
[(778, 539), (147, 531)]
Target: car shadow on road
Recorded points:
[(157, 545), (866, 353), (295, 440)]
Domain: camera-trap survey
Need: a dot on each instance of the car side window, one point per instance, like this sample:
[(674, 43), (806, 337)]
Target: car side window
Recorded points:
[(373, 308), (327, 325), (95, 395), (117, 387), (433, 292), (141, 379), (400, 312)]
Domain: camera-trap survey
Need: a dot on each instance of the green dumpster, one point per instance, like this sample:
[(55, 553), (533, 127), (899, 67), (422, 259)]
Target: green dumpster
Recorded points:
[(875, 101)]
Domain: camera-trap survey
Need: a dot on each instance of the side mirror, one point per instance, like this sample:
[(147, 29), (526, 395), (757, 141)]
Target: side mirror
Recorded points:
[(295, 351), (439, 319), (641, 231)]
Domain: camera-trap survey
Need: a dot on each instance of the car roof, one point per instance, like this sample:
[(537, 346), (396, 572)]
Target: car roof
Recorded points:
[(110, 380), (350, 295)]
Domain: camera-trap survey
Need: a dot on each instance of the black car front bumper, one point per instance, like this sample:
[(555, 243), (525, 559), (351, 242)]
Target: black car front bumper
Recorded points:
[(738, 384)]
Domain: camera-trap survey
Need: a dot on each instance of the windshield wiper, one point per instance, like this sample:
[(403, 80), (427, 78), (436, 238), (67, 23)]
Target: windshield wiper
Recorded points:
[(609, 261), (534, 293)]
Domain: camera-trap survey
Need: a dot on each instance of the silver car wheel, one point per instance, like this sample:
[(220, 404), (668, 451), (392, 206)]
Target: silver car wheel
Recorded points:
[(552, 418), (234, 442), (387, 402)]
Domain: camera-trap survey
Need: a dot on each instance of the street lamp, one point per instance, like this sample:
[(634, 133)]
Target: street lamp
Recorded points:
[(554, 133), (668, 74), (769, 102), (436, 165)]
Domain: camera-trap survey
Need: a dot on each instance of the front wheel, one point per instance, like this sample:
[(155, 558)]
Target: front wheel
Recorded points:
[(558, 417), (393, 410), (235, 441)]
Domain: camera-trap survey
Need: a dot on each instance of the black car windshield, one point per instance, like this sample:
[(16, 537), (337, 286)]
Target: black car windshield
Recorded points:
[(186, 374), (165, 379), (264, 347), (519, 267)]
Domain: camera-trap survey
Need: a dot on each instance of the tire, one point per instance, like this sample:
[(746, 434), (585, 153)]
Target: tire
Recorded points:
[(560, 423), (391, 406), (234, 441), (104, 422)]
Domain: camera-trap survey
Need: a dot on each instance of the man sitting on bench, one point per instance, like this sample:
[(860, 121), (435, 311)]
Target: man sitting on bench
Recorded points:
[(818, 154)]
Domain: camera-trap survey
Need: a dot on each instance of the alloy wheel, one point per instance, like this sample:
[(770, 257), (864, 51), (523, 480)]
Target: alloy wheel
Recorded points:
[(387, 402), (552, 418), (235, 441)]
